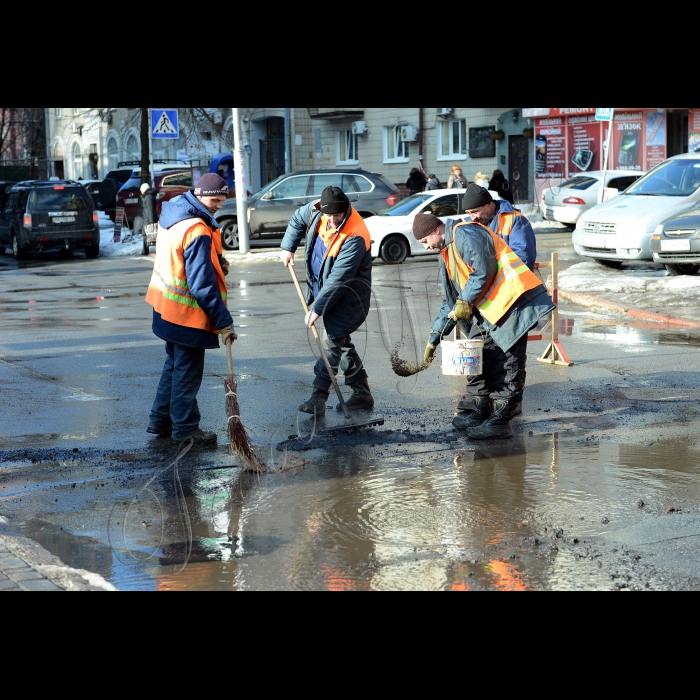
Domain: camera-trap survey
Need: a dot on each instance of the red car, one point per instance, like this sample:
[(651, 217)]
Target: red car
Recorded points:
[(168, 184)]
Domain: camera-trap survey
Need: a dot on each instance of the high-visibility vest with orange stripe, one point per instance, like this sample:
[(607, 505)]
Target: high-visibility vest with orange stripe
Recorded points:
[(168, 291), (505, 224), (512, 280), (355, 226)]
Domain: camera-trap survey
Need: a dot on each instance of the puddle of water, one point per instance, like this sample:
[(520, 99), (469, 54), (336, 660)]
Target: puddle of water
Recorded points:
[(528, 514)]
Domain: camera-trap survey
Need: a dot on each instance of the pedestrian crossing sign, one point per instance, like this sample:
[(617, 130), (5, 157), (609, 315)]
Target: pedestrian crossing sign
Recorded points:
[(603, 114), (164, 124)]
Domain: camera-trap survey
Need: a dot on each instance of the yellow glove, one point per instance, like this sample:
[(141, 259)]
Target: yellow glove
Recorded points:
[(461, 312), (429, 355), (227, 333)]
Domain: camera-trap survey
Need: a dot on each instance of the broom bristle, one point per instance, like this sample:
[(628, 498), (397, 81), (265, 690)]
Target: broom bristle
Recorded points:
[(405, 368), (239, 443)]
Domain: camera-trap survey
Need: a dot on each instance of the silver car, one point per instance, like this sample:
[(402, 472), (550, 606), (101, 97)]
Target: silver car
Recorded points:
[(567, 201), (676, 244)]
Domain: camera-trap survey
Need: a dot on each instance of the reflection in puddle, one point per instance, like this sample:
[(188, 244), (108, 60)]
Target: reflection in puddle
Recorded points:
[(529, 514)]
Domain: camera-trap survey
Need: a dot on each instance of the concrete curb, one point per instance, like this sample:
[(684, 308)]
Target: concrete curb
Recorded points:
[(589, 301)]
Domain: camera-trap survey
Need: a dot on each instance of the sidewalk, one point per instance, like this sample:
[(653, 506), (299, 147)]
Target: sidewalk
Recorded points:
[(27, 566)]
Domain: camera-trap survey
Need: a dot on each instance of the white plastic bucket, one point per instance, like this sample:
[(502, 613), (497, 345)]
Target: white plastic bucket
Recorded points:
[(462, 357)]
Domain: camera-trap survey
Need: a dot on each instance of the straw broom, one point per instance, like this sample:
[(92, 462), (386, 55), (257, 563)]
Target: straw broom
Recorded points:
[(237, 436)]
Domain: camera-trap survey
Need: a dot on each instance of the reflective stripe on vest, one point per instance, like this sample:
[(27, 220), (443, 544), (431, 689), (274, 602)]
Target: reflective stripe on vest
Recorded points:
[(505, 224), (168, 291), (512, 279)]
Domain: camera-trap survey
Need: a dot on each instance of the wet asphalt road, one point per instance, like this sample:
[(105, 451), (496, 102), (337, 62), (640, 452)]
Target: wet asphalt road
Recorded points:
[(598, 490)]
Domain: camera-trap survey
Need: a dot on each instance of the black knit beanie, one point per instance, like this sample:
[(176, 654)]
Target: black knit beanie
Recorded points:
[(424, 225), (475, 197), (211, 185), (334, 201)]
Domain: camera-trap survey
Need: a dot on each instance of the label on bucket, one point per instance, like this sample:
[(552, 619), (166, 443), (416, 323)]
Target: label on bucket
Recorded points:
[(462, 357)]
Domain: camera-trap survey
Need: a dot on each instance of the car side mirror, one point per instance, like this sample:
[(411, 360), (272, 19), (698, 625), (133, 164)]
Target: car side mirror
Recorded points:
[(267, 196)]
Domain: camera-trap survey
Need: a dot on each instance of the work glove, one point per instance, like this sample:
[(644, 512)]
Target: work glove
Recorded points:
[(461, 312), (225, 265), (227, 333)]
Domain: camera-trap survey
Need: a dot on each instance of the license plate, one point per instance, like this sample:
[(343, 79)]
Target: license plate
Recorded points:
[(132, 201), (63, 220), (675, 245), (594, 242)]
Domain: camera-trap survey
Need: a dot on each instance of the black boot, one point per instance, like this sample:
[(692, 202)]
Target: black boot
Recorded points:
[(465, 405), (498, 423), (316, 404), (482, 410), (361, 397)]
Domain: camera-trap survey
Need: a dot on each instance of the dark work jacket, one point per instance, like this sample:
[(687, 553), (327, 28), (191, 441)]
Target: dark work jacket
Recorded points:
[(201, 278), (345, 281), (476, 248)]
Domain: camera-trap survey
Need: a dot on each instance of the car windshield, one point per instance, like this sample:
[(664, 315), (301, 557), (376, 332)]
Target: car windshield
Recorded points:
[(581, 182), (672, 178), (133, 183), (63, 199), (406, 206)]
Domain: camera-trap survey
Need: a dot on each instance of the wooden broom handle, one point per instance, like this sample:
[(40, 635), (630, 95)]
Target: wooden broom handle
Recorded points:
[(230, 361), (329, 369)]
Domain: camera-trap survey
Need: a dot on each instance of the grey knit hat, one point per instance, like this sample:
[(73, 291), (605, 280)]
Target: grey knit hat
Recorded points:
[(424, 225)]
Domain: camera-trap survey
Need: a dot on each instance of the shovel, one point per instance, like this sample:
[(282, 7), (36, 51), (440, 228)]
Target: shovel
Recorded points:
[(331, 374)]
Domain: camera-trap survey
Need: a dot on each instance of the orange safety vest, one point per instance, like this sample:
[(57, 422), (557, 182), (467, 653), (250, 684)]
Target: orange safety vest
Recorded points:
[(355, 226), (512, 280), (505, 224), (168, 291)]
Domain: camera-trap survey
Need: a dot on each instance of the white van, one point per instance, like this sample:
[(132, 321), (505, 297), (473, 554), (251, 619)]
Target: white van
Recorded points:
[(620, 229)]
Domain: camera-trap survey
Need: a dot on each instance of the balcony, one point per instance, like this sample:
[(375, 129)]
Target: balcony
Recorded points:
[(336, 112)]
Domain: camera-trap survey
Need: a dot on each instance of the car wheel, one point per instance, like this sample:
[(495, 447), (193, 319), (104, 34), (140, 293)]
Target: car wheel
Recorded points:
[(394, 250), (19, 252), (683, 269), (229, 235), (614, 264), (92, 251)]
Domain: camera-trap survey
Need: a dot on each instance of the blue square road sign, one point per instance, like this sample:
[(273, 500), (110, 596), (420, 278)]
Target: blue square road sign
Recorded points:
[(603, 114), (164, 124)]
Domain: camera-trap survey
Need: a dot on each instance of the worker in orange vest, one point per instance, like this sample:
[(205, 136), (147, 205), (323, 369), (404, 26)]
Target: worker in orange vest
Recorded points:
[(492, 294)]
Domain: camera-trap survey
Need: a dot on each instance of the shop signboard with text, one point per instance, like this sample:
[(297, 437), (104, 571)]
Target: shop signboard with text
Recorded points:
[(584, 144), (550, 148), (694, 131), (627, 147)]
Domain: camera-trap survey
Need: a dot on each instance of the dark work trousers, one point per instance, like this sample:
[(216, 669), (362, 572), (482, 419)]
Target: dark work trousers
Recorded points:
[(342, 356), (176, 399), (503, 375)]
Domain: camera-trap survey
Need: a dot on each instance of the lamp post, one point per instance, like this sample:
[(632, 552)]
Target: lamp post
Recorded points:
[(241, 185)]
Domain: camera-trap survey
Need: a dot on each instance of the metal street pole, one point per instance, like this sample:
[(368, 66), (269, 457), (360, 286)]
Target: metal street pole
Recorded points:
[(601, 192), (150, 149), (241, 185)]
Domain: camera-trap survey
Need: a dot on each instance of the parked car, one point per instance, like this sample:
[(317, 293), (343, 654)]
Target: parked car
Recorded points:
[(271, 208), (566, 202), (391, 231), (168, 183), (105, 191), (620, 229), (48, 215), (676, 243)]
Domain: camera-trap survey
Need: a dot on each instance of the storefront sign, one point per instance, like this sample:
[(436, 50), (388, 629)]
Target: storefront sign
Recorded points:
[(694, 131), (627, 141)]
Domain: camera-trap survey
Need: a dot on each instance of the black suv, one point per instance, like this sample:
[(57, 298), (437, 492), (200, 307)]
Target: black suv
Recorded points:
[(49, 215), (271, 208)]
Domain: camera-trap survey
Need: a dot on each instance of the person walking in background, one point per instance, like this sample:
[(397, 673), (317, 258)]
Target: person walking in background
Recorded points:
[(433, 183), (457, 178), (494, 296), (188, 295), (416, 181), (500, 185), (339, 285), (482, 179)]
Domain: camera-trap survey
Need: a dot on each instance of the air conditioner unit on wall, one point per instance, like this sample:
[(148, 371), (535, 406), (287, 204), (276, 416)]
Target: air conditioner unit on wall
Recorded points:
[(409, 133), (445, 111), (359, 128)]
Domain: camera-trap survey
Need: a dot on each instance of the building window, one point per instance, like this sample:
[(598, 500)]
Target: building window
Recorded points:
[(347, 148), (76, 111), (58, 111), (395, 150), (113, 153), (77, 162), (133, 152), (452, 140)]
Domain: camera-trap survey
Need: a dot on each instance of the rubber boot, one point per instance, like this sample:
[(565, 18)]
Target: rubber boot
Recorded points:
[(497, 425), (465, 405), (316, 404), (361, 397), (482, 410)]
